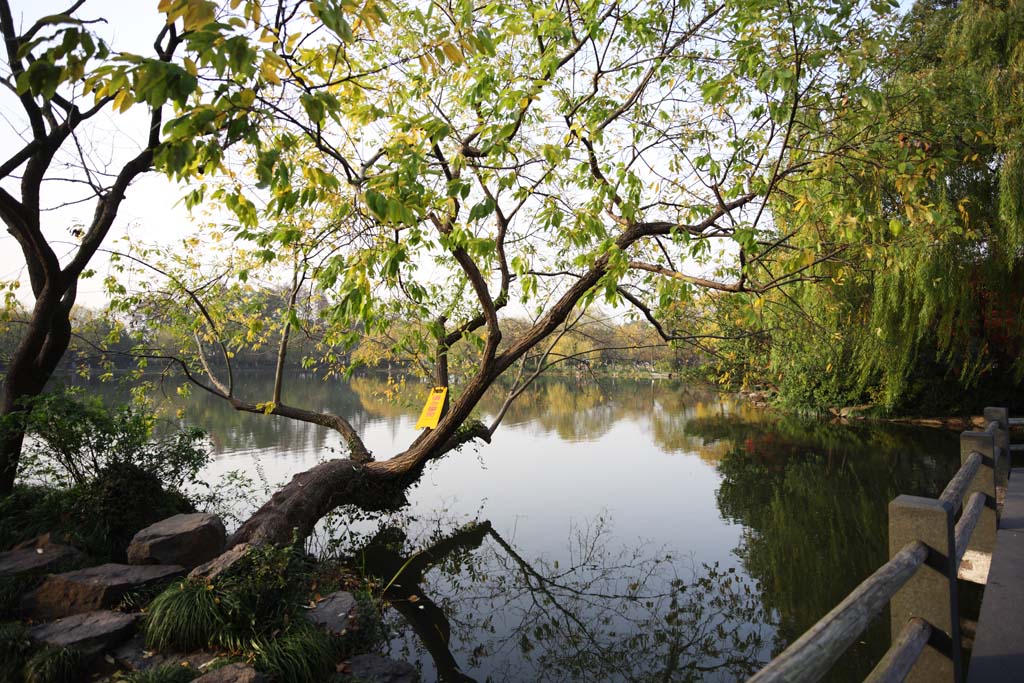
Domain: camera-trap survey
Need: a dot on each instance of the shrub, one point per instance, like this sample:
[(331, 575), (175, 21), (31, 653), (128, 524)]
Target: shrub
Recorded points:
[(98, 475), (120, 500), (99, 516), (76, 437)]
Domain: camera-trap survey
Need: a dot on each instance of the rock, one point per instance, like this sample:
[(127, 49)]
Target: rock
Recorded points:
[(373, 668), (94, 588), (133, 656), (232, 673), (49, 538), (91, 632), (334, 612), (44, 558), (220, 564), (186, 540)]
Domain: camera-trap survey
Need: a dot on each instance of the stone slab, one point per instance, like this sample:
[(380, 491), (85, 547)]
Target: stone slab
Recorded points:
[(232, 673), (44, 558), (188, 540), (133, 656), (334, 612), (998, 655), (371, 668), (94, 588), (91, 632)]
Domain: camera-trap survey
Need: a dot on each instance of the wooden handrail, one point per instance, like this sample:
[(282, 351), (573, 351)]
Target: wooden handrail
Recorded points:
[(972, 488), (954, 491), (901, 657), (810, 656), (968, 520)]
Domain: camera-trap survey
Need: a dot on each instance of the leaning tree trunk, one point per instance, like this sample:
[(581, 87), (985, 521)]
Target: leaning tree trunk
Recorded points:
[(294, 510)]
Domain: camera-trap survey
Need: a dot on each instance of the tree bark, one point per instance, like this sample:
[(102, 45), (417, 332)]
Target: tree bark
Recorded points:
[(33, 364), (293, 512)]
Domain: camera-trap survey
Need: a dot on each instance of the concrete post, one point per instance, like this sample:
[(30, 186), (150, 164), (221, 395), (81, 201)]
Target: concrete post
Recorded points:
[(983, 540), (931, 593), (1002, 416)]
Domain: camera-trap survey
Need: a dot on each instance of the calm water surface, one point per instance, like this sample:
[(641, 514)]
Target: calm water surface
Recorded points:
[(620, 531)]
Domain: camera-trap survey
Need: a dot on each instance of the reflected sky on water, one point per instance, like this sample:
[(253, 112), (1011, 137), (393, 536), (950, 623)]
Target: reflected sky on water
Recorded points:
[(619, 531)]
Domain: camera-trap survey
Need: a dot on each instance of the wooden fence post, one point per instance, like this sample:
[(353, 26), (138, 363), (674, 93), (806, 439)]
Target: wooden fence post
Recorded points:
[(931, 593)]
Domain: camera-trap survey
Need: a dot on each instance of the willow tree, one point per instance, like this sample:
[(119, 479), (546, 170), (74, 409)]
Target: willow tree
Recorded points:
[(928, 205), (464, 163)]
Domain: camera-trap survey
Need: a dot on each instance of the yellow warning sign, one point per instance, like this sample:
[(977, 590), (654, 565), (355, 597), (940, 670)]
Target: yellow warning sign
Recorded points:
[(432, 409)]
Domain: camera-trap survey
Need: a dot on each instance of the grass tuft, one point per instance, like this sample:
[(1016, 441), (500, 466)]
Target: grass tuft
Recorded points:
[(168, 673), (187, 616), (55, 665), (304, 654), (14, 649)]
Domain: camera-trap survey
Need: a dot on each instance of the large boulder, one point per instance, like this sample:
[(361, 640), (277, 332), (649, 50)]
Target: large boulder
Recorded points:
[(232, 673), (186, 540), (335, 612), (101, 587), (92, 632), (371, 668), (39, 559), (220, 564)]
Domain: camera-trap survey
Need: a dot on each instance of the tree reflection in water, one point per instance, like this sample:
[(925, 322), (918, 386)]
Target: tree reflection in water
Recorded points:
[(482, 612)]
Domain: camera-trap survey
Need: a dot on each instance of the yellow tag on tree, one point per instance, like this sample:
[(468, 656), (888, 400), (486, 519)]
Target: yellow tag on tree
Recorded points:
[(432, 410)]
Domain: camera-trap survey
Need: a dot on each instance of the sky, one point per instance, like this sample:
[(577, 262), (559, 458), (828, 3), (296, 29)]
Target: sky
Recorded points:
[(151, 210)]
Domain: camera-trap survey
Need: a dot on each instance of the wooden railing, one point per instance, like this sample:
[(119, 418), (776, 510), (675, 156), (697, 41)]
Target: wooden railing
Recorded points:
[(927, 544)]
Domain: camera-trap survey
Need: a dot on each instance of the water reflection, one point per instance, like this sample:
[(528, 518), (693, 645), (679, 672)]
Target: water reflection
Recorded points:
[(473, 608), (812, 498), (545, 589)]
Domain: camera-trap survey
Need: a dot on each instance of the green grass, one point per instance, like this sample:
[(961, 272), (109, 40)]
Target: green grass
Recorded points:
[(14, 649), (55, 665), (189, 615), (256, 611), (304, 654), (168, 673)]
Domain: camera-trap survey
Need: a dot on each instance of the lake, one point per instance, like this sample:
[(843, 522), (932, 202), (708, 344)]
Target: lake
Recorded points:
[(613, 531)]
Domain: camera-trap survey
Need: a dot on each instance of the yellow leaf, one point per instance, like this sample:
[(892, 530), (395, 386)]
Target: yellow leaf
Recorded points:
[(269, 72), (191, 67), (452, 53), (247, 97)]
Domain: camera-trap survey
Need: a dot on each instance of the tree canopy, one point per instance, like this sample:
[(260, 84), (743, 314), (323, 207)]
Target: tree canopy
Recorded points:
[(472, 180)]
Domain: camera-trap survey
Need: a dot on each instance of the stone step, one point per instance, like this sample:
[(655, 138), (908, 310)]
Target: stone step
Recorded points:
[(94, 588), (38, 560), (91, 632), (186, 540)]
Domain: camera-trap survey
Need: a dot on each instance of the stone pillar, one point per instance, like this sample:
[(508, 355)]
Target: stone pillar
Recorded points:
[(983, 540), (931, 593), (1002, 416)]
